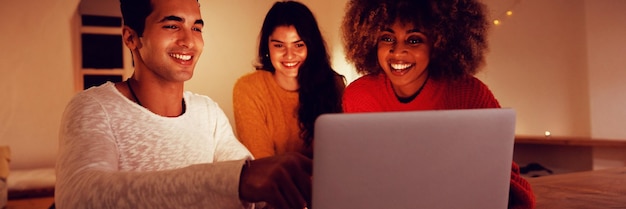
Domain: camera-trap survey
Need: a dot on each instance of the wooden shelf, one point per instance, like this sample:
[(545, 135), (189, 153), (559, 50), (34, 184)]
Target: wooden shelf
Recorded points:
[(30, 203), (569, 141)]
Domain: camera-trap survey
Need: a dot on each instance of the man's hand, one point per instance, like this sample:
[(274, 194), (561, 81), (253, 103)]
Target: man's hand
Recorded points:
[(283, 181)]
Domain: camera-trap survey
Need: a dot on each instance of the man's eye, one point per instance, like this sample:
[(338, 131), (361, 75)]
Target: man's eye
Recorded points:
[(198, 29), (170, 27)]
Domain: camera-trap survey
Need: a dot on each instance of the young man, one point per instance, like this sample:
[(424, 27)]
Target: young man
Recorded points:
[(147, 143)]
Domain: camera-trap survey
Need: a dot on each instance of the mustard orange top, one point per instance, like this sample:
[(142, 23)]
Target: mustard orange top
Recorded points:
[(266, 118)]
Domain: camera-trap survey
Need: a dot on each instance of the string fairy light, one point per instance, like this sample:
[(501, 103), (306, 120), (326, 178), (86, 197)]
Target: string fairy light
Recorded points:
[(508, 13)]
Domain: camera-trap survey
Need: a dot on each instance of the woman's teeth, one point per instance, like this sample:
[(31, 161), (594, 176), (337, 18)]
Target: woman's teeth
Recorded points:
[(400, 66), (290, 64)]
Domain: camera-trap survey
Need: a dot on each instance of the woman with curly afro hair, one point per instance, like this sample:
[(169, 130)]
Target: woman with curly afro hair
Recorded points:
[(421, 55)]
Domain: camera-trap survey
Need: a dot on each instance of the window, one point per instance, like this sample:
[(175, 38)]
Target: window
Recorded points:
[(101, 54)]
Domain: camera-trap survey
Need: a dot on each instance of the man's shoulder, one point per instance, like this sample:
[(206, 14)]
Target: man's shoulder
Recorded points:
[(192, 96), (102, 98), (103, 92)]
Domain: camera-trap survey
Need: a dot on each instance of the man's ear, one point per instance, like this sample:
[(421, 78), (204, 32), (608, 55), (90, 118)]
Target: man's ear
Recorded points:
[(130, 38)]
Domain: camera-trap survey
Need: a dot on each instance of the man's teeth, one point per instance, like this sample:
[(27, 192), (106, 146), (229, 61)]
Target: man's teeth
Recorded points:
[(400, 66), (180, 56)]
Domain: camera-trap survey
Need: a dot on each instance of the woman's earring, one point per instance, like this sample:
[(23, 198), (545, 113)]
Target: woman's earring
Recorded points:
[(267, 55)]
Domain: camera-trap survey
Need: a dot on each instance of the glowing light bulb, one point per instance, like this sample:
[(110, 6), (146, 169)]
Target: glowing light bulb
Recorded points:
[(496, 22), (547, 133), (509, 13)]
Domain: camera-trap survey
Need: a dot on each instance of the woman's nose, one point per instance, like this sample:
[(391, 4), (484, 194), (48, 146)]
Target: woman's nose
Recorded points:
[(289, 53), (398, 47)]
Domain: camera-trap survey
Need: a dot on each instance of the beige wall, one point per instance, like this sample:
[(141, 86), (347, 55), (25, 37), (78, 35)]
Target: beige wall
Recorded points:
[(606, 44), (36, 79), (537, 65), (540, 64)]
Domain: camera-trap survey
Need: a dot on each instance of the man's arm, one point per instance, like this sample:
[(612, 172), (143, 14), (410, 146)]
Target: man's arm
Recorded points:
[(88, 174), (283, 181)]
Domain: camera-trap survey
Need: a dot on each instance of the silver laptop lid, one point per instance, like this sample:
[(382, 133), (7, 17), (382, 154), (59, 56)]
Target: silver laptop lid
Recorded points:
[(418, 159)]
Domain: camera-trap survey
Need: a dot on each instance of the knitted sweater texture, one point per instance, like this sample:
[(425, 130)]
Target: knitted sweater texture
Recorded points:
[(374, 93), (114, 153), (266, 117)]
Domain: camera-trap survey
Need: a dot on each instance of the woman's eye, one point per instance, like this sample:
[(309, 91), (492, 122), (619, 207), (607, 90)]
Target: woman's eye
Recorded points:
[(387, 39), (278, 45), (298, 45), (415, 40)]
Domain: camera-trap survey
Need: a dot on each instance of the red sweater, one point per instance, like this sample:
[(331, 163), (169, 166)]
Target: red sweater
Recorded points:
[(373, 93)]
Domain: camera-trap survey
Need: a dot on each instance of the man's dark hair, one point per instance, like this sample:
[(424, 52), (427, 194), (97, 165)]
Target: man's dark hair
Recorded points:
[(134, 14)]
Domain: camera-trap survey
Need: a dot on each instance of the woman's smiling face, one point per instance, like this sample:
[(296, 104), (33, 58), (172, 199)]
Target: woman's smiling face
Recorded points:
[(287, 51), (403, 54)]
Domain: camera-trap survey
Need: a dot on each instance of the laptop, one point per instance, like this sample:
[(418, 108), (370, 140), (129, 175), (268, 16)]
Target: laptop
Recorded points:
[(417, 159)]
